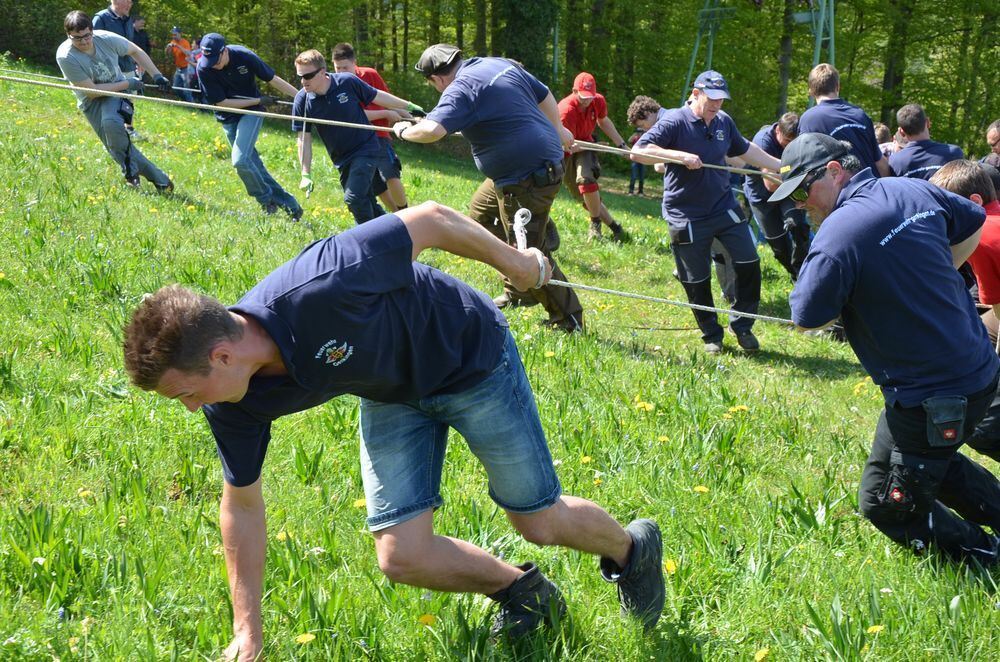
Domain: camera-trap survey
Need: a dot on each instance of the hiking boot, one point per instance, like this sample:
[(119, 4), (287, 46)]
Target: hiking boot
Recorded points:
[(640, 583), (270, 208), (295, 215), (133, 182), (165, 189), (595, 231), (505, 300), (618, 233), (713, 347), (569, 324), (747, 341), (527, 603)]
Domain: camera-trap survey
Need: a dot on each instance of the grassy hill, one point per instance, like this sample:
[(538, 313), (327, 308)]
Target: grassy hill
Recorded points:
[(109, 540)]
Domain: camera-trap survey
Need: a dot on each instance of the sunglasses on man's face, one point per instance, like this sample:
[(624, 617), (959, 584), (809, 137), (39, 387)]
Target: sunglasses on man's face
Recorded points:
[(81, 37), (310, 75), (801, 194)]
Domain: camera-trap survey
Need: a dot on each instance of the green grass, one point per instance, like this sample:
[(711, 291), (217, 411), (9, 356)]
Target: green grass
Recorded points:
[(109, 540)]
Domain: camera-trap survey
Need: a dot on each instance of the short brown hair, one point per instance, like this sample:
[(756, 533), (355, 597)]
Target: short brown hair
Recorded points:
[(76, 21), (824, 80), (175, 328), (911, 118), (343, 51), (963, 177), (882, 133), (313, 57), (640, 107), (789, 125)]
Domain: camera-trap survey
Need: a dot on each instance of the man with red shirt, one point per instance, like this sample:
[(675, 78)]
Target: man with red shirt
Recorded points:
[(387, 183), (581, 112)]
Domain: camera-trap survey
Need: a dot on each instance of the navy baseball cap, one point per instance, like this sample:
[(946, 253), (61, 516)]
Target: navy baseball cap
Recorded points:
[(176, 30), (211, 48), (804, 155), (712, 84)]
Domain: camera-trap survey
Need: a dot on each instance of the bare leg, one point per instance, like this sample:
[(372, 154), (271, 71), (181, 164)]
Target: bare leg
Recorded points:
[(592, 201), (410, 553), (398, 193), (578, 524), (387, 201)]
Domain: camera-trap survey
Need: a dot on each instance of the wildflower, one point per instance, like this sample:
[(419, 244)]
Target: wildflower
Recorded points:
[(305, 638), (191, 208), (427, 619), (154, 210), (875, 629), (597, 482), (84, 493), (885, 591), (663, 438), (670, 566), (282, 536), (73, 641), (359, 503), (739, 409), (586, 459), (40, 560), (762, 654), (86, 624), (645, 406), (2, 275), (556, 463), (549, 355), (701, 489)]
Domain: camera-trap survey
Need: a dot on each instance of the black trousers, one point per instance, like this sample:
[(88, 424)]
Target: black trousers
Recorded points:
[(918, 489), (786, 231)]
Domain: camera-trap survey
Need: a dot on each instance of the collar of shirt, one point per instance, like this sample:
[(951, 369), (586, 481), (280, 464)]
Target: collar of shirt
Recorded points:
[(313, 95), (863, 178)]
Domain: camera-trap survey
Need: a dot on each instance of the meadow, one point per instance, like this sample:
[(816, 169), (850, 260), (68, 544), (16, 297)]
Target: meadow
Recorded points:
[(109, 537)]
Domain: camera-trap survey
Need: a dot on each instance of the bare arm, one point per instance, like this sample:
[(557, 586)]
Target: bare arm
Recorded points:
[(882, 165), (282, 86), (643, 155), (961, 251), (304, 140), (387, 100), (758, 157), (143, 59), (239, 103), (89, 84), (244, 540), (435, 226), (609, 129), (424, 131), (391, 116), (550, 108)]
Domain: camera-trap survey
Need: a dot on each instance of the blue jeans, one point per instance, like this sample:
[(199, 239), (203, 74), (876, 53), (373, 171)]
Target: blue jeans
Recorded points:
[(638, 175), (359, 195), (403, 446), (242, 136), (181, 80)]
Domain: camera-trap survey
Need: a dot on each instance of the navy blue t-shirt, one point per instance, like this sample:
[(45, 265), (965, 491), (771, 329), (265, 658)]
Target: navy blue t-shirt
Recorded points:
[(844, 121), (695, 195), (123, 26), (753, 187), (922, 158), (236, 79), (882, 262), (494, 103), (354, 314), (344, 101)]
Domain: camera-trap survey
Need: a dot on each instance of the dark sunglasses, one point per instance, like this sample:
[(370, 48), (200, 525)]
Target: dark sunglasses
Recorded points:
[(82, 37), (310, 75), (801, 194)]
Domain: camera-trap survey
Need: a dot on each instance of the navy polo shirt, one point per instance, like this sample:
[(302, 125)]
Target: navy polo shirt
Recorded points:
[(344, 101), (882, 262), (123, 26), (354, 314), (494, 103), (844, 121), (922, 158), (236, 79), (695, 195), (753, 186)]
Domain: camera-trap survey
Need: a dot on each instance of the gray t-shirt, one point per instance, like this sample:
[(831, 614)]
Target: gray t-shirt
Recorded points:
[(101, 67)]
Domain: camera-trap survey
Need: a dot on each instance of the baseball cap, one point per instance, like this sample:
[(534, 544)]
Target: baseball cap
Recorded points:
[(175, 30), (211, 48), (712, 84), (436, 57), (803, 155), (585, 84)]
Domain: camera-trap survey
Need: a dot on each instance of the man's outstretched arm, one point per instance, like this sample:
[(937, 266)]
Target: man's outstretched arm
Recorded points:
[(244, 540), (435, 226)]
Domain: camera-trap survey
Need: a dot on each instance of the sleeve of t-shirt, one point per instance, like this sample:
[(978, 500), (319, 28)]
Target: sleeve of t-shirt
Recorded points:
[(378, 82), (455, 110), (241, 441), (963, 216), (538, 88), (299, 110), (601, 107), (738, 145), (261, 69), (822, 289), (71, 69), (985, 261), (364, 91), (99, 20), (661, 134), (377, 255)]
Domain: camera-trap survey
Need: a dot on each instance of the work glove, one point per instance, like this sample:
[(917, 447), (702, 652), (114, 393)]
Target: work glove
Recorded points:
[(414, 108), (161, 82), (306, 184), (134, 84), (400, 126), (267, 100)]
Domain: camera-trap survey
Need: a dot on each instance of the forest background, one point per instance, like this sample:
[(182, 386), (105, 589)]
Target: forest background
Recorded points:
[(944, 55)]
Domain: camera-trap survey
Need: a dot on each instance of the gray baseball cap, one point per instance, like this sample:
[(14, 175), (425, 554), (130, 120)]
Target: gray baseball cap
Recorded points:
[(437, 57), (803, 155)]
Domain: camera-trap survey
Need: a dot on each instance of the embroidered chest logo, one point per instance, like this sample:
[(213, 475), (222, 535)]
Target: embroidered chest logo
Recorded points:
[(242, 70), (720, 135), (342, 97), (332, 353)]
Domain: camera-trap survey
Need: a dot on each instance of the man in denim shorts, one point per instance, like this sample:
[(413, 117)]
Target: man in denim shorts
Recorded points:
[(354, 313)]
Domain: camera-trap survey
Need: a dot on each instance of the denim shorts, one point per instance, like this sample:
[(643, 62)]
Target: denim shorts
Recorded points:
[(403, 446)]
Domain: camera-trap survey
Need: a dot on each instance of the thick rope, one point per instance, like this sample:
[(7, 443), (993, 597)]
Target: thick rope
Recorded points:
[(608, 149)]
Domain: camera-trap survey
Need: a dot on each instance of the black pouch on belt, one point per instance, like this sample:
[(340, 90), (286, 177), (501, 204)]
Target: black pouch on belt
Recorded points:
[(126, 110), (549, 174), (945, 419)]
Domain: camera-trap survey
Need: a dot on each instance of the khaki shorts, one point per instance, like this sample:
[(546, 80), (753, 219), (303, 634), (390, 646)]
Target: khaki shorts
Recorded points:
[(582, 169)]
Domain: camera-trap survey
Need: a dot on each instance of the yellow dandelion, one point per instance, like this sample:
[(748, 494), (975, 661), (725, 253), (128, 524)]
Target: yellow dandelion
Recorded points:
[(727, 416), (549, 355), (701, 489), (664, 438), (670, 566), (597, 482), (762, 654), (191, 208), (359, 503), (154, 210), (305, 638), (875, 629), (427, 619), (84, 493), (739, 409), (281, 536), (2, 275), (586, 459)]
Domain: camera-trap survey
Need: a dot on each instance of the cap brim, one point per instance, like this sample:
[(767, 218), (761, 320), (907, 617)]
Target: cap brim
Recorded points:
[(586, 95), (716, 94), (207, 61), (787, 187)]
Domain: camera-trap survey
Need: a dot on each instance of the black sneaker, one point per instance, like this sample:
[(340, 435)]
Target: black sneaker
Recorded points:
[(747, 341), (165, 189), (640, 584), (527, 603), (270, 208), (295, 214), (133, 182), (618, 233)]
